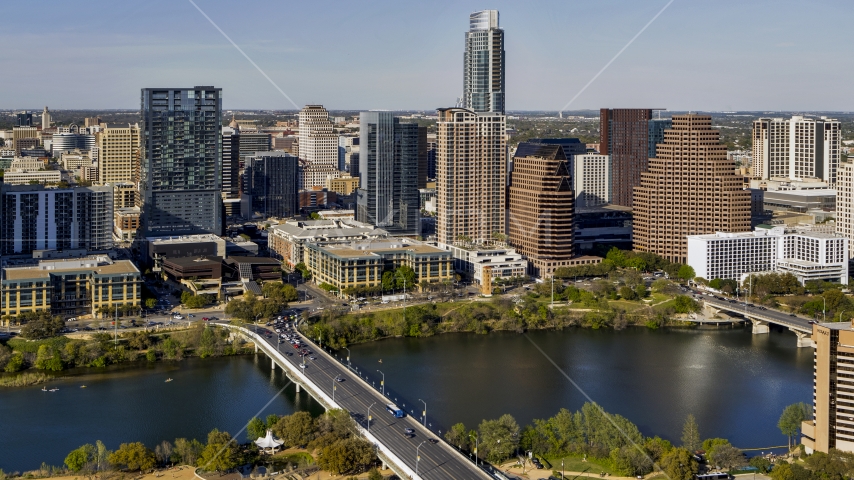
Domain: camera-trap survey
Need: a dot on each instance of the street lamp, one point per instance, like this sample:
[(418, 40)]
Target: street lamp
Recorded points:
[(348, 356), (823, 309), (369, 415), (418, 456), (333, 390), (475, 446), (424, 414), (840, 315), (382, 382)]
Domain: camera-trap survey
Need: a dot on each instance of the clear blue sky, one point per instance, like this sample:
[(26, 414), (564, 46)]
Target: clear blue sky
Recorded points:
[(698, 55)]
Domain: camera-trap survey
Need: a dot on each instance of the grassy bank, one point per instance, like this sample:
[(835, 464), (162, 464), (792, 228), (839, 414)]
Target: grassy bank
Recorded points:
[(24, 379)]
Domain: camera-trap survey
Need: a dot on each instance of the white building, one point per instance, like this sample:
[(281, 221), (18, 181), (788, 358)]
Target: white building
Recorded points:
[(807, 255), (504, 262), (591, 179), (845, 203), (796, 148), (318, 147), (287, 240), (74, 159), (24, 177)]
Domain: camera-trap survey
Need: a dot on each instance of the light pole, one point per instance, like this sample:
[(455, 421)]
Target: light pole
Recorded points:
[(382, 382), (561, 468), (424, 416), (840, 315), (348, 356), (418, 456), (475, 447), (369, 415), (823, 308), (333, 390)]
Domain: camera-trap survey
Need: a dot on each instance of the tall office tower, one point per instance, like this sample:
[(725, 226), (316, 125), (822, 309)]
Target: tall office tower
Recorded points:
[(118, 154), (180, 185), (388, 174), (24, 119), (690, 189), (22, 133), (796, 148), (624, 135), (45, 119), (471, 172), (483, 64), (541, 207), (431, 156), (348, 145), (318, 147), (253, 142), (66, 142), (35, 218), (845, 203), (230, 169), (657, 126), (270, 180), (591, 180), (422, 157)]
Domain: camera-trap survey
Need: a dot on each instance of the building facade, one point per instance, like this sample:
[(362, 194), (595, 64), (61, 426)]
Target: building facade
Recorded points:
[(657, 126), (471, 172), (118, 154), (541, 207), (591, 180), (180, 179), (388, 174), (690, 189), (845, 203), (34, 218), (287, 241), (271, 181), (502, 262), (796, 148), (318, 147), (624, 135), (483, 64)]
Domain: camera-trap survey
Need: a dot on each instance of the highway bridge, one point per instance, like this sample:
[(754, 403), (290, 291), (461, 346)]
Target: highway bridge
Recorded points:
[(367, 407), (761, 317)]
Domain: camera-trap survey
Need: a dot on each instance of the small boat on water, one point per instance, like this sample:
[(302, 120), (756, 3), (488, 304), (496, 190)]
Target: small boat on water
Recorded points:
[(82, 386), (44, 389), (53, 390), (168, 379)]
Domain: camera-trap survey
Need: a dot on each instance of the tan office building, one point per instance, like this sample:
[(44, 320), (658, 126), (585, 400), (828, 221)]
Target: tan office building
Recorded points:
[(118, 153), (471, 173), (541, 207), (845, 203), (690, 189), (832, 425)]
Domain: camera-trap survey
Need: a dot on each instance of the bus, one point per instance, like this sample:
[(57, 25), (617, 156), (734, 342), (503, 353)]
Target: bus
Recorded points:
[(713, 476), (392, 409)]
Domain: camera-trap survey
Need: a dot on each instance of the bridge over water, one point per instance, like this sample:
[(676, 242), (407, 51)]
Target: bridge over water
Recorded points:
[(761, 317), (414, 457)]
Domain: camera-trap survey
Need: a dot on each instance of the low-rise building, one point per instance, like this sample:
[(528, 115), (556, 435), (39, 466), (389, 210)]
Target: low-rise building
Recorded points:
[(502, 262), (70, 287), (158, 248), (287, 240), (361, 264), (342, 185), (337, 214), (253, 268), (185, 268), (807, 255), (125, 223), (75, 159)]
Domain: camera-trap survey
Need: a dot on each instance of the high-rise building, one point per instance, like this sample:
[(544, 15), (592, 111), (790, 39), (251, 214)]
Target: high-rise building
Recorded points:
[(318, 147), (624, 135), (66, 142), (471, 172), (45, 119), (388, 173), (270, 182), (118, 154), (796, 148), (690, 189), (845, 203), (254, 142), (657, 126), (230, 168), (431, 156), (24, 119), (541, 207), (348, 154), (423, 157), (483, 64), (591, 180), (35, 218), (181, 156), (21, 133)]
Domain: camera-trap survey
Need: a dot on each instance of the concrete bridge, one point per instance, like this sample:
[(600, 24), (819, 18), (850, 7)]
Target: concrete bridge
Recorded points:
[(410, 457), (761, 317)]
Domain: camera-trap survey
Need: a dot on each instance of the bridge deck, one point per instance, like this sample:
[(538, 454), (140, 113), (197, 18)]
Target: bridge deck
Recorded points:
[(795, 323)]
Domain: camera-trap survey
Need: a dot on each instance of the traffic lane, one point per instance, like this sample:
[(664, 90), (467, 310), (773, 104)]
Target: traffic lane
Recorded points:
[(778, 316), (435, 462)]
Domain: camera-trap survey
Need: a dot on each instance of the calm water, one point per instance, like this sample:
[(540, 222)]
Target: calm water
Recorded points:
[(736, 384)]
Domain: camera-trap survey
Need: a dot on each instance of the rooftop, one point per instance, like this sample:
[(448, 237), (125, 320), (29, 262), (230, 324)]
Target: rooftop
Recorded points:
[(99, 264)]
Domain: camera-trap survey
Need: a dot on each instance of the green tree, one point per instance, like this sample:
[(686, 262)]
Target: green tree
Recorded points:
[(296, 430), (80, 457), (346, 455), (726, 456), (187, 451), (791, 418), (220, 454), (617, 256), (15, 363), (679, 464), (133, 456), (691, 434), (686, 272), (375, 474), (656, 447), (102, 455), (630, 460), (405, 276), (458, 436), (641, 291), (150, 303), (49, 359), (255, 429), (685, 304), (40, 325), (627, 293), (498, 438), (760, 462)]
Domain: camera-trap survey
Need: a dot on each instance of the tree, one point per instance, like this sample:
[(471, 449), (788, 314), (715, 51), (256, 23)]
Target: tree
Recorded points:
[(627, 293), (760, 462), (346, 455), (498, 438), (80, 457), (726, 456), (102, 455), (150, 303), (47, 358), (15, 363), (163, 452), (679, 464), (629, 460), (296, 430), (686, 272), (375, 474), (255, 429), (691, 434), (220, 453), (458, 436), (791, 418), (685, 304), (133, 456), (641, 291), (187, 451), (40, 325)]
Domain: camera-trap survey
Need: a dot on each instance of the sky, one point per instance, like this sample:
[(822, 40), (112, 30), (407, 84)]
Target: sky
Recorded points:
[(407, 55)]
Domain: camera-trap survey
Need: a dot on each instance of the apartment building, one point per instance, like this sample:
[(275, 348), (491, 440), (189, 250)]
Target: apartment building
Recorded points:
[(796, 148), (287, 240), (690, 189), (484, 64), (118, 154), (318, 147), (591, 175), (845, 203)]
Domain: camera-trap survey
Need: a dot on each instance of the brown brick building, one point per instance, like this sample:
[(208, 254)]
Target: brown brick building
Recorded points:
[(624, 135), (541, 207), (690, 189)]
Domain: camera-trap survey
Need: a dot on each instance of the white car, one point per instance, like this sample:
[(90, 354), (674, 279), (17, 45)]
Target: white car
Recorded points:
[(178, 317)]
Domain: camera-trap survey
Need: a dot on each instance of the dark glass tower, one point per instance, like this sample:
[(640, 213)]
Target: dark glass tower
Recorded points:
[(388, 171), (181, 155), (272, 180), (483, 64)]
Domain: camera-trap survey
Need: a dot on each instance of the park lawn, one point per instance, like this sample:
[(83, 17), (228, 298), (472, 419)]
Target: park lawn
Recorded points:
[(658, 297), (577, 464), (627, 305)]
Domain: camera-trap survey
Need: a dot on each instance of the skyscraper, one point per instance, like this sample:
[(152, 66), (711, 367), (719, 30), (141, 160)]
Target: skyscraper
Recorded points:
[(690, 189), (230, 169), (180, 184), (624, 134), (45, 119), (796, 148), (483, 64), (541, 207), (845, 203), (471, 173), (270, 179), (318, 147), (388, 173), (118, 154)]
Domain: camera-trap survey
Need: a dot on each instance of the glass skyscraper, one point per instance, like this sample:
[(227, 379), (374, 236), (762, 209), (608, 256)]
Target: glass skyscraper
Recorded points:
[(180, 179), (483, 64), (388, 196)]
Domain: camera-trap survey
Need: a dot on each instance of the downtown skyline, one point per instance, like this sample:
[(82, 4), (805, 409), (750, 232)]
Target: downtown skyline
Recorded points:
[(691, 57)]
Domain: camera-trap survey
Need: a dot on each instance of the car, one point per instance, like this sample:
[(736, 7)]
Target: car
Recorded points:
[(433, 440), (302, 365), (339, 379), (312, 357), (792, 314), (409, 431), (812, 322), (190, 315)]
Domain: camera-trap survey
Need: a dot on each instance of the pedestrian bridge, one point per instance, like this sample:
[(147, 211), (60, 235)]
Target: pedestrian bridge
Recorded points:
[(424, 455), (762, 317)]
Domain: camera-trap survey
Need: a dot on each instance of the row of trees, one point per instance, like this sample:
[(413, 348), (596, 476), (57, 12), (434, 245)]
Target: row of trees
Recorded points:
[(191, 300), (250, 307), (640, 261)]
